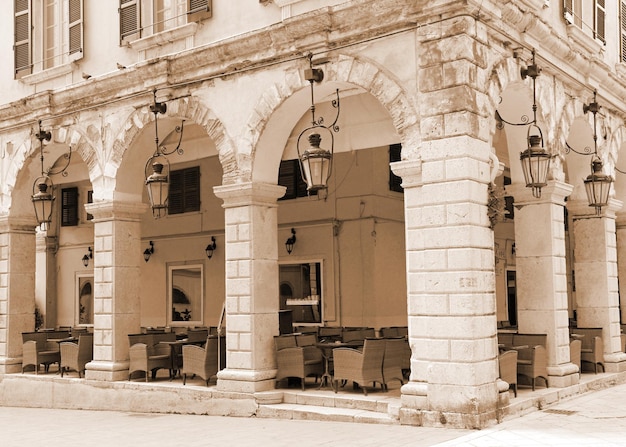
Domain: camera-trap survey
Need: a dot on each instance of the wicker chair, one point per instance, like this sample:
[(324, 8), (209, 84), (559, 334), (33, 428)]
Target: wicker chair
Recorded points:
[(37, 350), (74, 356), (533, 363), (360, 367), (297, 361), (507, 364), (202, 362), (149, 358), (593, 353), (393, 360)]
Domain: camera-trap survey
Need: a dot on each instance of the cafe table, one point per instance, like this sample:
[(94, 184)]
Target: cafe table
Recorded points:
[(176, 354), (327, 352)]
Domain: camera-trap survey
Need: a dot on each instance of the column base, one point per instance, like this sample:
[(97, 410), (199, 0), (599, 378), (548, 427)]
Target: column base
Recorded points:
[(10, 365), (106, 371), (246, 381), (564, 375), (615, 362)]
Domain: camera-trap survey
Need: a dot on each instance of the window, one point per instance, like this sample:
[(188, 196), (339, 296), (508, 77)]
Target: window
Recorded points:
[(300, 287), (186, 295), (289, 176), (140, 18), (184, 195), (572, 11), (47, 34), (590, 20), (69, 207), (395, 182), (84, 293), (598, 20), (623, 30)]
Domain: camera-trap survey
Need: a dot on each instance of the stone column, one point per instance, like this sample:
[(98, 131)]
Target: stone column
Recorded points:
[(46, 254), (451, 286), (620, 234), (595, 272), (252, 302), (117, 308), (542, 274), (17, 289)]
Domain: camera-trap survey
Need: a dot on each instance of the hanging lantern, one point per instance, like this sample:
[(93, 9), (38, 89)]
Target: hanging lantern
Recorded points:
[(598, 186), (42, 201), (158, 185), (535, 163), (316, 164)]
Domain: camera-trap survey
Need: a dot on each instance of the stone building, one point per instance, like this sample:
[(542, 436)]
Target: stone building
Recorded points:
[(430, 96)]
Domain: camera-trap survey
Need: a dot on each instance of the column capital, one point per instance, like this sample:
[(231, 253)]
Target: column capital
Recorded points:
[(113, 209), (554, 192), (17, 224), (410, 171), (249, 193), (580, 209)]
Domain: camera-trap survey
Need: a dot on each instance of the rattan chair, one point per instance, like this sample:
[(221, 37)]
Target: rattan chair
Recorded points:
[(532, 363), (507, 364), (574, 353), (74, 356), (593, 353), (362, 367), (202, 362), (37, 350), (393, 360), (297, 361), (149, 359)]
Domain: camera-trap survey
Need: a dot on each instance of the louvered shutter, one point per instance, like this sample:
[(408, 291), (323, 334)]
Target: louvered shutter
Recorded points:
[(287, 177), (175, 201), (184, 192), (69, 207), (198, 10), (129, 18), (76, 29), (623, 30), (22, 38), (600, 20), (568, 6)]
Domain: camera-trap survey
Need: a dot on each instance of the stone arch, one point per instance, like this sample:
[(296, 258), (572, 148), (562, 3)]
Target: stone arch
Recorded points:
[(343, 70), (188, 108)]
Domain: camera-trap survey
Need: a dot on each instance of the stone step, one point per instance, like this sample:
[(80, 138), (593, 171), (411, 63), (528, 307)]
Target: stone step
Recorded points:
[(324, 413)]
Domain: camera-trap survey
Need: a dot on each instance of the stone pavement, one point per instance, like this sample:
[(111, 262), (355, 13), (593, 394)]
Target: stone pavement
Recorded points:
[(593, 419)]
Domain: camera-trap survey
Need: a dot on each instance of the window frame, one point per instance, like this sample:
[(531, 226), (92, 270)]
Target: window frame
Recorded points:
[(171, 268), (299, 303)]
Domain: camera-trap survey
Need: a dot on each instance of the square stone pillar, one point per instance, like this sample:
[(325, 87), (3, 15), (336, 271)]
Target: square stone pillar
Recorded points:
[(595, 271), (451, 286), (542, 306), (620, 234), (17, 289), (117, 308), (252, 301)]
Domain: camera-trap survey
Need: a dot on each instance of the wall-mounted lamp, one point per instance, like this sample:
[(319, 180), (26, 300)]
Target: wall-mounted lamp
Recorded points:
[(291, 241), (87, 257), (43, 188), (535, 159), (148, 252), (316, 162), (157, 182), (209, 248), (597, 183)]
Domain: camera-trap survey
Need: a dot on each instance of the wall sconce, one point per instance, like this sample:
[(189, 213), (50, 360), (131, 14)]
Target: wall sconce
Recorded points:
[(148, 252), (291, 241), (157, 182), (597, 184), (43, 187), (535, 159), (210, 248), (87, 257), (316, 162)]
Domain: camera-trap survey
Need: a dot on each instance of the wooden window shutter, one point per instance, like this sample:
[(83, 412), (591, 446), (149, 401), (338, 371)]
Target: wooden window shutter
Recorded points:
[(600, 17), (198, 10), (76, 29), (129, 18), (22, 39), (395, 182), (69, 207), (89, 200), (184, 191), (289, 176), (623, 30)]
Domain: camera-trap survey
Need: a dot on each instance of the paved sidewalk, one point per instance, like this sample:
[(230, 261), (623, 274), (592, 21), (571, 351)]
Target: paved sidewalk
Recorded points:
[(592, 419)]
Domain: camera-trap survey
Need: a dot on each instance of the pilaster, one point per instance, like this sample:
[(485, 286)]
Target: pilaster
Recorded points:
[(595, 269), (117, 311), (251, 285), (17, 288), (542, 306)]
